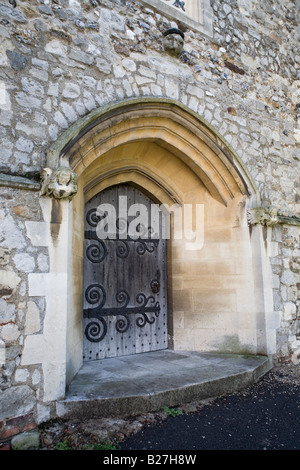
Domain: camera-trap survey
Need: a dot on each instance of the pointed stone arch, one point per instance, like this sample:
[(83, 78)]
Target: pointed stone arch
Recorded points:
[(170, 125), (220, 296)]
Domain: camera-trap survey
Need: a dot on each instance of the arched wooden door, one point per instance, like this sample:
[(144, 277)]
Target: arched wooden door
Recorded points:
[(125, 288)]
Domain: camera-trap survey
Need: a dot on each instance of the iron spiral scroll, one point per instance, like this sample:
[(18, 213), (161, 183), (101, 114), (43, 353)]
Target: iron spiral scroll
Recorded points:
[(97, 251), (147, 311)]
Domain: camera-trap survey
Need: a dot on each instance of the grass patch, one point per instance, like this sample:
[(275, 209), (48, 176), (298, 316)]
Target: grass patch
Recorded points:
[(172, 411)]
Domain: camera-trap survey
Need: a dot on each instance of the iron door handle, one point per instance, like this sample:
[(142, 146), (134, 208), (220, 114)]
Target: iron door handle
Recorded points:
[(155, 286)]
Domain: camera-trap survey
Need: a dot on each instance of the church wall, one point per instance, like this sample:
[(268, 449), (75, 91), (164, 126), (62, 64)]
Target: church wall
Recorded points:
[(60, 60)]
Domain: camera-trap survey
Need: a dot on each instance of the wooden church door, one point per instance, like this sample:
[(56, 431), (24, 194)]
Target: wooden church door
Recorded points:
[(125, 288)]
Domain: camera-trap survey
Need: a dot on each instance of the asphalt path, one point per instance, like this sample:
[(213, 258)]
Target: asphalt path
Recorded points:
[(266, 416)]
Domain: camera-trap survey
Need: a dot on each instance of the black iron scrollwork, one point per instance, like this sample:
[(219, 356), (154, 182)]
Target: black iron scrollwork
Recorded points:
[(95, 294), (146, 245), (93, 218), (143, 319), (122, 324), (96, 330), (122, 249), (96, 253)]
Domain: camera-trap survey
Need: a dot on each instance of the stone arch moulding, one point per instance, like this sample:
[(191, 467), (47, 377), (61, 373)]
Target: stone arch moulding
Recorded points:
[(218, 173), (169, 124)]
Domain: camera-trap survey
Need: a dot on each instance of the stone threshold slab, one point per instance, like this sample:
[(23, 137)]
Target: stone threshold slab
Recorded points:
[(147, 382)]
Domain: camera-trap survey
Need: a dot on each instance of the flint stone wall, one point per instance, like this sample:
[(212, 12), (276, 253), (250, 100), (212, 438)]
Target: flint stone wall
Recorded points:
[(61, 59)]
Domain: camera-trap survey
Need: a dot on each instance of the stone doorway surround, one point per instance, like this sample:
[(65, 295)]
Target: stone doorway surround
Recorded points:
[(220, 296)]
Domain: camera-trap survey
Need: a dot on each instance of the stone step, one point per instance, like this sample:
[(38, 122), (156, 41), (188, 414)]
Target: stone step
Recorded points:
[(147, 382)]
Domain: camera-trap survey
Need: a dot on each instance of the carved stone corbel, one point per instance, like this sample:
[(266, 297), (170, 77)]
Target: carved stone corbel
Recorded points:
[(269, 216), (263, 216), (59, 184), (173, 41)]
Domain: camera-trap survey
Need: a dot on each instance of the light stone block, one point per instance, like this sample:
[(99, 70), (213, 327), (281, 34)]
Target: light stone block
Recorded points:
[(34, 350), (296, 356), (10, 333), (7, 311), (47, 284), (54, 380), (222, 300), (36, 377), (11, 235), (71, 91), (38, 232), (21, 375), (5, 102), (6, 44), (289, 311), (2, 353), (43, 413), (24, 262), (56, 47), (32, 322), (16, 401), (43, 262)]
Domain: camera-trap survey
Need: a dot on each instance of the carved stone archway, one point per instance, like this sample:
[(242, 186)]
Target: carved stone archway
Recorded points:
[(219, 294), (173, 126)]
